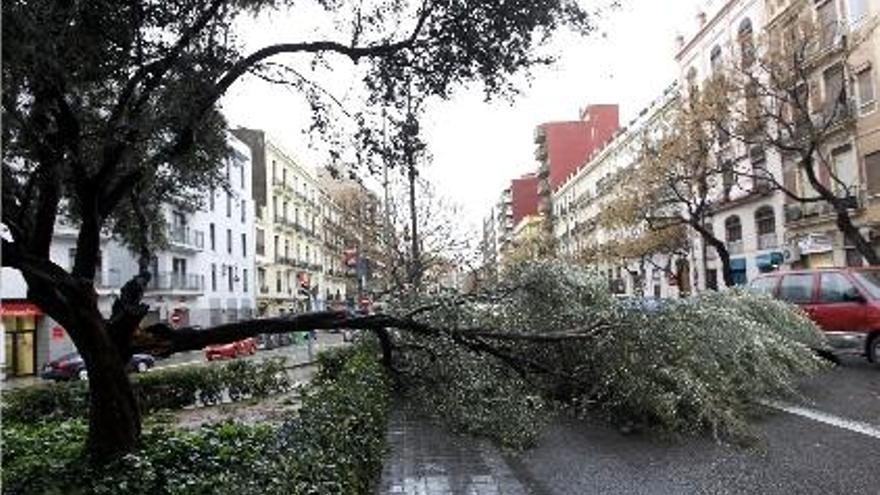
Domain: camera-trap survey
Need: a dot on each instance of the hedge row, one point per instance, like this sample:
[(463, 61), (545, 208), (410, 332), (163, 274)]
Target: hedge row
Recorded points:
[(160, 389), (332, 445)]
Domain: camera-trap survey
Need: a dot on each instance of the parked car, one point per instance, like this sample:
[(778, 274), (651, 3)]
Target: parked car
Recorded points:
[(72, 367), (244, 347), (844, 302)]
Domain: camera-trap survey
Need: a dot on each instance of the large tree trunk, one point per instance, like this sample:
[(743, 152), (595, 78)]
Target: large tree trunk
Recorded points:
[(852, 234), (114, 416)]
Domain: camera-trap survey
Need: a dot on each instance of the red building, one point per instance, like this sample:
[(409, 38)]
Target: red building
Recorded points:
[(564, 146), (524, 196)]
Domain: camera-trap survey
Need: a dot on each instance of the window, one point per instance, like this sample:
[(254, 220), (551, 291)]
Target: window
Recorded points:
[(211, 237), (275, 246), (746, 44), (865, 87), (244, 245), (228, 205), (244, 279), (278, 281), (835, 92), (261, 240), (764, 284), (230, 278), (261, 278), (715, 59), (797, 288), (241, 176), (733, 229), (243, 211), (211, 199), (733, 233), (274, 171), (275, 207), (214, 277), (229, 241), (872, 172), (284, 176), (765, 221), (835, 288), (828, 23)]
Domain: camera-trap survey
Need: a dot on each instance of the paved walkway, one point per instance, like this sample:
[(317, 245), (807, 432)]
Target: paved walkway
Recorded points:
[(425, 459)]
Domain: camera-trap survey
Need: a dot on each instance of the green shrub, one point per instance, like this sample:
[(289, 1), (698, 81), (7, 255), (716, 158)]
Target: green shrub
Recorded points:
[(160, 389), (332, 445)]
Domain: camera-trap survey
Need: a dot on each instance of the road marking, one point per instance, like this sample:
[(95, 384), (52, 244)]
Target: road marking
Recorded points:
[(826, 418)]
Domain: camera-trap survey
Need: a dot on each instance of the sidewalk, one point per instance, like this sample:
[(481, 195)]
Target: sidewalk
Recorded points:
[(425, 459)]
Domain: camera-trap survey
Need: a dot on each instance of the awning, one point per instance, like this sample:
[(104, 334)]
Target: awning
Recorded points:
[(19, 308), (769, 260), (738, 264)]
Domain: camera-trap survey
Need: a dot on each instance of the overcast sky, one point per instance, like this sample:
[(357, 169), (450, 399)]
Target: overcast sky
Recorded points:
[(477, 147)]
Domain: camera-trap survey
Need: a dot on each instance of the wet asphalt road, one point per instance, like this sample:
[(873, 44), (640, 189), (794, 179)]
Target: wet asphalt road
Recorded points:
[(794, 455)]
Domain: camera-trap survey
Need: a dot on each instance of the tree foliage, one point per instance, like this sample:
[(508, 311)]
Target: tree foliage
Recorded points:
[(697, 364)]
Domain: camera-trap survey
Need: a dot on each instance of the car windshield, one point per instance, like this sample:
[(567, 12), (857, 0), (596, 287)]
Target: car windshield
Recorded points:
[(870, 280)]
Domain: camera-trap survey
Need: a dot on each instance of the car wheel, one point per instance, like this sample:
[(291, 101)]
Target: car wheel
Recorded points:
[(83, 374), (142, 367), (874, 348)]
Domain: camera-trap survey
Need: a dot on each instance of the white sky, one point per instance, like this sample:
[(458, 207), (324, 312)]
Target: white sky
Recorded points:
[(477, 147)]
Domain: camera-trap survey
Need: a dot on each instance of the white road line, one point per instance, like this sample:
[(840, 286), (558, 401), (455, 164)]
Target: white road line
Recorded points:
[(828, 419)]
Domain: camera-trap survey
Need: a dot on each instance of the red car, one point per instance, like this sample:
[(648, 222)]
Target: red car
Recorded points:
[(844, 302), (245, 347)]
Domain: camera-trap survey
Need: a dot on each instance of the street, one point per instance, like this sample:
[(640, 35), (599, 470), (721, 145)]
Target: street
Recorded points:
[(833, 448)]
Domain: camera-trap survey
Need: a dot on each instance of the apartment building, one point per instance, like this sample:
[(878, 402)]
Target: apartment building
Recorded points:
[(746, 213), (579, 201), (563, 146), (204, 276), (289, 228), (842, 72)]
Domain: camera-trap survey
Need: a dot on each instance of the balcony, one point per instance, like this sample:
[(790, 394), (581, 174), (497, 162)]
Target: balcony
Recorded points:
[(181, 238), (544, 170), (540, 152), (768, 241), (176, 282)]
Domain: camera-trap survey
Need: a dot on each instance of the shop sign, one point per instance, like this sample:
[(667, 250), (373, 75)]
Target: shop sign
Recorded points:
[(57, 333), (815, 243)]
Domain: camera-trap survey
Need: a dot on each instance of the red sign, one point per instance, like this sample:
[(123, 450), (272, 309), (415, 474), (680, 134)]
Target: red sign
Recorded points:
[(57, 333)]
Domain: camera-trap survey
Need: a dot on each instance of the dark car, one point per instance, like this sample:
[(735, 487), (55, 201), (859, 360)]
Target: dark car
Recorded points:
[(844, 302), (71, 366)]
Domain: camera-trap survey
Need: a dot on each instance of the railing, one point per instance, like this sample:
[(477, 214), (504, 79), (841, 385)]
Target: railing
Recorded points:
[(735, 247), (768, 241), (183, 236), (176, 281), (110, 279)]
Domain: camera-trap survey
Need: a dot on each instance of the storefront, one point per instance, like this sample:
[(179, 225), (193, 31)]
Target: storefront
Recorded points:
[(20, 319)]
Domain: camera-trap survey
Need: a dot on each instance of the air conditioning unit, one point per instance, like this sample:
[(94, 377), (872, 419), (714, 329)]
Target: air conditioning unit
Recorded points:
[(793, 212), (791, 253)]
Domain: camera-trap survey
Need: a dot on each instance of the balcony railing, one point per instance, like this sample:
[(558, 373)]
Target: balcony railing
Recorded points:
[(734, 247), (110, 279), (768, 241), (174, 281), (183, 237)]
